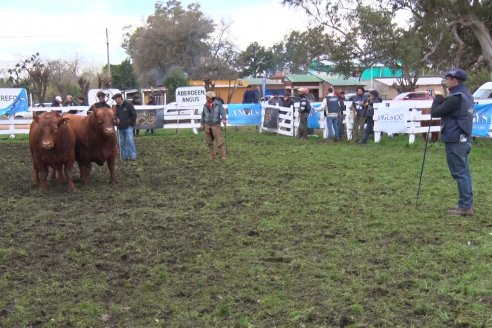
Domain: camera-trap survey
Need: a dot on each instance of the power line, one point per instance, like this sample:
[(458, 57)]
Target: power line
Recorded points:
[(47, 35)]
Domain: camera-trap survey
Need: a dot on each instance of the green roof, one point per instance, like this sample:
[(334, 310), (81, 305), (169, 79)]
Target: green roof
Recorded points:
[(259, 81), (377, 72), (299, 78), (338, 80)]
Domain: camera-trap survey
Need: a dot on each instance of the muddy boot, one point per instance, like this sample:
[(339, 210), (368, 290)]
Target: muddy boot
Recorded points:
[(222, 151)]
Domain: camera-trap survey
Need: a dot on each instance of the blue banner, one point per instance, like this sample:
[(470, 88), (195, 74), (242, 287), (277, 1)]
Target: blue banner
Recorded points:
[(244, 114), (13, 101), (481, 121), (314, 116)]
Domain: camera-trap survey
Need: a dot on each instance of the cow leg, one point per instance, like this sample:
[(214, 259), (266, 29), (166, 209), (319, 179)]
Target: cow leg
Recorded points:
[(69, 174), (35, 174), (43, 175), (110, 163)]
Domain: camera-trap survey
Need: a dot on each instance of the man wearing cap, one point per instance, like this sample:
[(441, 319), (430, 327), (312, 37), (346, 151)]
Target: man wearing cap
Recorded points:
[(456, 113), (126, 116), (304, 110), (101, 102), (212, 115)]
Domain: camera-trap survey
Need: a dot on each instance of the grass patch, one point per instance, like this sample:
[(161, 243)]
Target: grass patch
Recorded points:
[(285, 233)]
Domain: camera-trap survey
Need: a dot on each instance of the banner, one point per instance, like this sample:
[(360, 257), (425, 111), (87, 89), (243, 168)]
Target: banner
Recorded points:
[(392, 120), (190, 96), (481, 121), (13, 100), (244, 114), (150, 118), (270, 119), (314, 116)]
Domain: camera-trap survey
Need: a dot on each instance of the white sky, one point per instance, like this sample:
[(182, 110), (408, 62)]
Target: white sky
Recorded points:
[(65, 29)]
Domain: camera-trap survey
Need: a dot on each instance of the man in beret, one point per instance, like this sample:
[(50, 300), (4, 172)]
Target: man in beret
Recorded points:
[(126, 116), (212, 115), (456, 113)]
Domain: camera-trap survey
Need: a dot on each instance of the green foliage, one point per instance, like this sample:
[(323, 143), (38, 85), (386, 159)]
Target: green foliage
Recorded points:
[(123, 77), (175, 79), (256, 60)]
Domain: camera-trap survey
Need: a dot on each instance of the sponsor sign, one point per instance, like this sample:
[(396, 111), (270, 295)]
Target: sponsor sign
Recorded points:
[(13, 100), (190, 96)]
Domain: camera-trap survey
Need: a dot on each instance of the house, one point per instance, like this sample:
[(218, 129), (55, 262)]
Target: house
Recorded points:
[(386, 88)]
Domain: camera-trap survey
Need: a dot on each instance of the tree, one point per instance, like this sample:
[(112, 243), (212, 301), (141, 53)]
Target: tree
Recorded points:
[(122, 76), (175, 79), (440, 32), (172, 37), (256, 60), (33, 74)]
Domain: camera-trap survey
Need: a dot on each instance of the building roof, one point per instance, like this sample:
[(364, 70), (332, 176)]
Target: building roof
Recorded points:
[(259, 81), (337, 80), (379, 71), (300, 78), (428, 80)]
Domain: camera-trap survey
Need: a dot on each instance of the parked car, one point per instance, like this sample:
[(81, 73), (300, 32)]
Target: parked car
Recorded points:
[(28, 114), (484, 92), (414, 95)]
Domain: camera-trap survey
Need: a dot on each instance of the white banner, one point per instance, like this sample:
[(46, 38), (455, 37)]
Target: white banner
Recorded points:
[(190, 96), (392, 120)]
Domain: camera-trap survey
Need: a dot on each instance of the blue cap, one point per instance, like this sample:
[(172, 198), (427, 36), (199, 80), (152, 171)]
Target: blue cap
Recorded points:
[(457, 73)]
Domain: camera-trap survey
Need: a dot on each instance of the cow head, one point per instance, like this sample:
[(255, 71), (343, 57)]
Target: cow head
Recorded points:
[(48, 128), (105, 119)]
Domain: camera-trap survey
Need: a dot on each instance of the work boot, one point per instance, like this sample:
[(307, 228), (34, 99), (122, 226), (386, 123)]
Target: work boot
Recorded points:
[(461, 211)]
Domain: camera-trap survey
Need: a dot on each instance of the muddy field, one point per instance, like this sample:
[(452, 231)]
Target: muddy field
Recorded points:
[(183, 242)]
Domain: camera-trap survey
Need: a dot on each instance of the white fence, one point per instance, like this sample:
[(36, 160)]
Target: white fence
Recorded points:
[(288, 119)]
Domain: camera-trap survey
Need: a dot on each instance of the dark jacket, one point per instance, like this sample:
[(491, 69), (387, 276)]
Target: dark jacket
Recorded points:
[(249, 97), (456, 113), (304, 105), (359, 104), (97, 105), (126, 114)]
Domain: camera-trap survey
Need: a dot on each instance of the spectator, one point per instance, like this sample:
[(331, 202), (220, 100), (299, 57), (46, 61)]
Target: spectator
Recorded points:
[(287, 101), (359, 109), (304, 109), (372, 99), (249, 96), (69, 101), (331, 108), (57, 102), (101, 102), (151, 102), (275, 100), (126, 118), (456, 113), (81, 101), (212, 115)]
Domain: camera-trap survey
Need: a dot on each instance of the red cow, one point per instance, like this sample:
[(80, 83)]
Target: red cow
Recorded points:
[(52, 144), (96, 141), (434, 135)]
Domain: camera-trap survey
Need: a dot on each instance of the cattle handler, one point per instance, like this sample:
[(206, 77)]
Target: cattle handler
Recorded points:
[(212, 115)]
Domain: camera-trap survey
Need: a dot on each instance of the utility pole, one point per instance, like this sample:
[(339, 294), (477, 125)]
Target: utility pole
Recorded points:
[(107, 52)]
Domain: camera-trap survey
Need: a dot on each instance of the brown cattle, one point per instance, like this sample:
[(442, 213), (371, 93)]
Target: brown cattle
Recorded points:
[(52, 144), (434, 135), (96, 141)]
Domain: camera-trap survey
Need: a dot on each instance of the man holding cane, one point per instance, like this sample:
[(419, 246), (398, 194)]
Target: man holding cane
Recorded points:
[(212, 115), (456, 113)]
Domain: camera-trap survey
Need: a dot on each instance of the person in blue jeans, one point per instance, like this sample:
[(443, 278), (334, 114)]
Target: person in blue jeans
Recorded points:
[(331, 108), (456, 113), (126, 117)]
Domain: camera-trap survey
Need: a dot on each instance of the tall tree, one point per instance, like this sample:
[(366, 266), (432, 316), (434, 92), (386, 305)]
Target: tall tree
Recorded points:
[(172, 37), (33, 73), (256, 60), (440, 32), (122, 76)]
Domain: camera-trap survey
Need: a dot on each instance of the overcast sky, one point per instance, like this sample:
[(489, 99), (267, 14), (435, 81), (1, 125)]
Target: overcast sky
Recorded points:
[(64, 29)]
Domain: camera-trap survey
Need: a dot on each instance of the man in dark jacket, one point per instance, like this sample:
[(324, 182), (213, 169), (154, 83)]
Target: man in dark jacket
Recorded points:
[(304, 110), (359, 110), (101, 102), (126, 117), (249, 96), (456, 113)]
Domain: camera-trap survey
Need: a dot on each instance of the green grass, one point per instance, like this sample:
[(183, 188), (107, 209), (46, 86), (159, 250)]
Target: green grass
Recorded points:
[(285, 233)]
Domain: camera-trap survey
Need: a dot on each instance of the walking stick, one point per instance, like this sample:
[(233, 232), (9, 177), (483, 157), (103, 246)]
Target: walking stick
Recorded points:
[(423, 161)]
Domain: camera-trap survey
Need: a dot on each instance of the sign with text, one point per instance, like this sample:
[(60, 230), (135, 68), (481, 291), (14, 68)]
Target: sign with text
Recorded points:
[(244, 114), (13, 100), (482, 120), (190, 96)]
